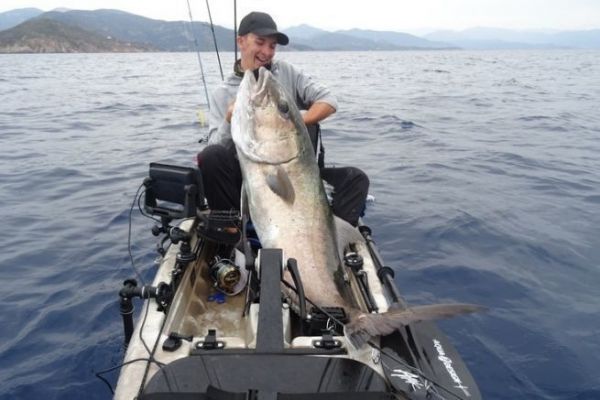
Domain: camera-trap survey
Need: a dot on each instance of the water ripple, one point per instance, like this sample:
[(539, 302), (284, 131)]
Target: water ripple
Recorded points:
[(484, 166)]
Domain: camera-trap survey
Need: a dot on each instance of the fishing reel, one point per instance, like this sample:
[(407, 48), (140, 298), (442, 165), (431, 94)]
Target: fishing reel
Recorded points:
[(225, 274)]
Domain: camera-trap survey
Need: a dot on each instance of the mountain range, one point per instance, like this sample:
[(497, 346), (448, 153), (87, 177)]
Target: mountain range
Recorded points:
[(484, 38), (45, 35), (12, 18), (32, 30)]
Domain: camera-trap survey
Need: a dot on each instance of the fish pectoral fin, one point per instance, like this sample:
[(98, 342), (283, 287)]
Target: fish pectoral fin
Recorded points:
[(279, 182), (362, 327)]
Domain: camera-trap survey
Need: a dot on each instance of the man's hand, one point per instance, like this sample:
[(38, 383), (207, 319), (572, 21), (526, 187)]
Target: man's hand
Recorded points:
[(229, 111), (317, 112)]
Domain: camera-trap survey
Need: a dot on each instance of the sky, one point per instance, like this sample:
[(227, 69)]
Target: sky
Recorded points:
[(415, 16)]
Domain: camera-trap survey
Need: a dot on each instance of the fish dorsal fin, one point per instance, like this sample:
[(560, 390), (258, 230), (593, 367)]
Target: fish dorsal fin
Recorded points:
[(279, 182)]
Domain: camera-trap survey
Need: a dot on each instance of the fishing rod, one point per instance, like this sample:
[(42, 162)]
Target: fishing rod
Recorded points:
[(198, 53), (212, 28), (235, 50)]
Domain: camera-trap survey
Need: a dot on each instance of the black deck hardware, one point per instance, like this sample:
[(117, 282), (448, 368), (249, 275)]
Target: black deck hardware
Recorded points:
[(326, 319), (327, 342), (173, 342), (210, 342), (162, 293), (355, 262)]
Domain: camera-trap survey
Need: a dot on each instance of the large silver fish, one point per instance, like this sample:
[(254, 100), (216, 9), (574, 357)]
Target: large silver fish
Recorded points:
[(289, 208)]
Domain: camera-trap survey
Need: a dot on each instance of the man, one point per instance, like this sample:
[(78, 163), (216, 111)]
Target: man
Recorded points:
[(257, 40)]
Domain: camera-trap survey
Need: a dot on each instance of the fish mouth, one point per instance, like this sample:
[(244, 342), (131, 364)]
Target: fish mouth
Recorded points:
[(261, 88), (261, 78), (262, 92)]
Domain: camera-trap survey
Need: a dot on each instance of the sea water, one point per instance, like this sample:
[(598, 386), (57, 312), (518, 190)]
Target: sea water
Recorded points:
[(484, 166)]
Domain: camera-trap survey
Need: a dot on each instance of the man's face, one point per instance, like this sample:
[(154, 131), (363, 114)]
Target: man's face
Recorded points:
[(256, 51)]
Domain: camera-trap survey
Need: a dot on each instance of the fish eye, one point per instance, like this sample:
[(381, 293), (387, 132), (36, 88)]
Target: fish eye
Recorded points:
[(283, 106)]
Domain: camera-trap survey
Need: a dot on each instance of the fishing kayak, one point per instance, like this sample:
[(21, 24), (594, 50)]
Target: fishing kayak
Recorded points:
[(214, 327)]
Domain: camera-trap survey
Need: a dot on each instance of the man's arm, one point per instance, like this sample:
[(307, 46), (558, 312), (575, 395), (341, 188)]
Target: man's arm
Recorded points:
[(318, 99), (219, 126), (318, 112)]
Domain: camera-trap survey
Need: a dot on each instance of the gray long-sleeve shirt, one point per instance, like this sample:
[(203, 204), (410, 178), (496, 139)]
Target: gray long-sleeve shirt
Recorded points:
[(301, 86)]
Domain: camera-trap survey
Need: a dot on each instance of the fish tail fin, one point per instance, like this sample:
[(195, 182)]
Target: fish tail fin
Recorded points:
[(362, 326)]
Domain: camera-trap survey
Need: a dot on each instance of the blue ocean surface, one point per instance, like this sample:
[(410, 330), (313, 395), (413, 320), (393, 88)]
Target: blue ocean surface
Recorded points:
[(485, 166)]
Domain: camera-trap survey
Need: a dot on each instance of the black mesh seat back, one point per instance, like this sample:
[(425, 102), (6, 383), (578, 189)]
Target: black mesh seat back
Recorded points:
[(278, 372)]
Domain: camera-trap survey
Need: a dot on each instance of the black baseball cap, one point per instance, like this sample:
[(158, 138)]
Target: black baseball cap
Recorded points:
[(261, 24)]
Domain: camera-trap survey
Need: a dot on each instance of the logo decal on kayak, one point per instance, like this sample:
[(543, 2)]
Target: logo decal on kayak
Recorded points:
[(448, 364), (412, 379)]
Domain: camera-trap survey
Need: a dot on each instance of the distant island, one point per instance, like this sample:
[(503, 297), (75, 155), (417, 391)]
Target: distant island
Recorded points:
[(44, 35), (31, 30)]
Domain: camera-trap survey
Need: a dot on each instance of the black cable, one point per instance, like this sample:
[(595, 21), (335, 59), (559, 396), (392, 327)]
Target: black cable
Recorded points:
[(143, 323), (151, 353), (151, 359), (139, 203), (135, 198), (105, 371)]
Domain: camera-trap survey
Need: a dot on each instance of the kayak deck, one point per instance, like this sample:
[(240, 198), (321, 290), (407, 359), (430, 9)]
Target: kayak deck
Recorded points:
[(202, 344)]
